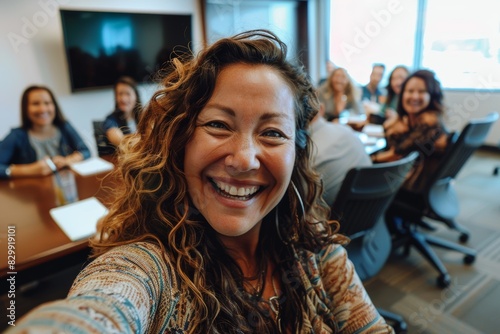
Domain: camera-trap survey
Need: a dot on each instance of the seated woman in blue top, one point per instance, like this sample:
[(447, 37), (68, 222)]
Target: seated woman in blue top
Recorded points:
[(45, 138), (124, 119)]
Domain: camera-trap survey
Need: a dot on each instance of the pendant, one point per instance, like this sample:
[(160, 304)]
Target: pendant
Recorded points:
[(274, 304)]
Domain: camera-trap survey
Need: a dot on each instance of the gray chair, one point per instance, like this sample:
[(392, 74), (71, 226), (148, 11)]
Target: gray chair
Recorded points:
[(439, 201), (365, 194)]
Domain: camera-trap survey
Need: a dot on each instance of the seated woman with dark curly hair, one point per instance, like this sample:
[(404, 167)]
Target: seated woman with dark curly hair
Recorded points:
[(418, 127)]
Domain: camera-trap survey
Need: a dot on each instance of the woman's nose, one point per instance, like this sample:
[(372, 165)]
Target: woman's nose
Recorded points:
[(414, 96), (243, 156)]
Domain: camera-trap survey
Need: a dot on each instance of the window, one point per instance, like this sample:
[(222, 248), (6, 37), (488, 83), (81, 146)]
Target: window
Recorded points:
[(459, 40), (226, 18), (463, 49), (364, 32)]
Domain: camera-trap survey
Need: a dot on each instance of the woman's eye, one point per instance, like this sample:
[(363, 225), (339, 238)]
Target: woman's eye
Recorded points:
[(273, 133), (216, 125)]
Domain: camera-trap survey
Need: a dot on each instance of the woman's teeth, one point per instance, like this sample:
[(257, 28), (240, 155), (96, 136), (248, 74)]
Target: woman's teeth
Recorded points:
[(236, 191)]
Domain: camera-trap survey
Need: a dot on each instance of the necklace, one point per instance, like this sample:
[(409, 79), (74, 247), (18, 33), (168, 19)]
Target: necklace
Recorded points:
[(274, 304), (257, 289)]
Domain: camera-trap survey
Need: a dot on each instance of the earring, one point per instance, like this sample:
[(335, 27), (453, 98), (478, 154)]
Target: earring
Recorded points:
[(299, 198), (295, 236)]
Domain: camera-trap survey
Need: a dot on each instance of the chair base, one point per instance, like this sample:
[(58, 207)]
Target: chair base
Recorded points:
[(409, 237), (395, 320), (412, 206), (453, 225)]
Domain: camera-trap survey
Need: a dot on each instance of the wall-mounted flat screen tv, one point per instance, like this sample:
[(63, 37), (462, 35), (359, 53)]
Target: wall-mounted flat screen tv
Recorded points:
[(102, 46)]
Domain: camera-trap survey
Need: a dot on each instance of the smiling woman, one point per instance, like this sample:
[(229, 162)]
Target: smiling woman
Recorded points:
[(219, 226), (45, 136), (418, 127), (123, 120)]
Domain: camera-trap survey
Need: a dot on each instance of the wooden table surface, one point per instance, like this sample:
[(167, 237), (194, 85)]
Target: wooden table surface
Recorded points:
[(24, 217)]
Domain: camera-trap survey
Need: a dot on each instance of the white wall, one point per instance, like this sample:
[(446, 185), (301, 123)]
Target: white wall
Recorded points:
[(41, 59), (464, 105)]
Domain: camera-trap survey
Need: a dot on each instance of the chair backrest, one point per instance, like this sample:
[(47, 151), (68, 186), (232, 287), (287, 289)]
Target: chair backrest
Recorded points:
[(365, 194), (471, 137), (103, 145), (441, 200)]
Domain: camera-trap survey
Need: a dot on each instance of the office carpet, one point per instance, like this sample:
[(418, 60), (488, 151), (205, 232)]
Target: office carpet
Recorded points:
[(470, 305)]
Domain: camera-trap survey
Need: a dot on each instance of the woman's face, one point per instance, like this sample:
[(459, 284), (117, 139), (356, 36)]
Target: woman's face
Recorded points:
[(41, 108), (398, 77), (125, 98), (239, 161), (415, 96), (339, 81)]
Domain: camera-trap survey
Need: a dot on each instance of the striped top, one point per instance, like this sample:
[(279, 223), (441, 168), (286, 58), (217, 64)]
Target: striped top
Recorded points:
[(132, 289)]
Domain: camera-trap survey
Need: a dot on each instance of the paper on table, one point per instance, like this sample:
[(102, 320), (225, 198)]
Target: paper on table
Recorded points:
[(373, 130), (92, 165), (78, 220), (366, 140)]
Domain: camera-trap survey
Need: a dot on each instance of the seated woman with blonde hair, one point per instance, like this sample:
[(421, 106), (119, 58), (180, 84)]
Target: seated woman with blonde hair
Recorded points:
[(338, 94)]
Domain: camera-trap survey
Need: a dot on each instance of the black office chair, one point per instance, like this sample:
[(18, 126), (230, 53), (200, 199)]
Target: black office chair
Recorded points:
[(104, 147), (360, 206), (439, 201)]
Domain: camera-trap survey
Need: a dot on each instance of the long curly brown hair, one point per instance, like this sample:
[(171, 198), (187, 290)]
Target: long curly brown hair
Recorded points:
[(153, 202)]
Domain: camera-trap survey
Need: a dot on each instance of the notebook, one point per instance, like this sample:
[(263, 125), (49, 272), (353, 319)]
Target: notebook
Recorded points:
[(94, 165), (78, 220), (374, 130)]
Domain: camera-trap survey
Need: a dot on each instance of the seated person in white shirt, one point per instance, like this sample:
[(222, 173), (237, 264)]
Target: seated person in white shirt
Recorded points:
[(337, 149)]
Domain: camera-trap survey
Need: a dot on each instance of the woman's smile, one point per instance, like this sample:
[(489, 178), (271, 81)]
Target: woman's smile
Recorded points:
[(241, 193)]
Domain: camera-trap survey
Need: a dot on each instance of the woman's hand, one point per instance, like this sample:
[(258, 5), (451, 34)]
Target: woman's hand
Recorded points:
[(41, 167), (396, 126), (37, 168), (386, 156), (62, 162), (340, 104), (391, 113)]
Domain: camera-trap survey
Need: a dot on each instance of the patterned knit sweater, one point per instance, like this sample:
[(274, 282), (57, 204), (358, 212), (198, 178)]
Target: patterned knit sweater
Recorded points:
[(132, 289)]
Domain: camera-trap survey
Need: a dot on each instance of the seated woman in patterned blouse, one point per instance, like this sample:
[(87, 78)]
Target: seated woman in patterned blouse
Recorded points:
[(219, 226), (418, 127)]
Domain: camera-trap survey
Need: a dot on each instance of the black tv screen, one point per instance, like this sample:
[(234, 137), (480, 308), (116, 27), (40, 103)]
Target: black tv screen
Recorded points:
[(102, 46)]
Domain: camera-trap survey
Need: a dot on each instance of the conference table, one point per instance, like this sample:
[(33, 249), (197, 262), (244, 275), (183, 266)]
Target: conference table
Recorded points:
[(32, 244), (372, 144), (371, 135)]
